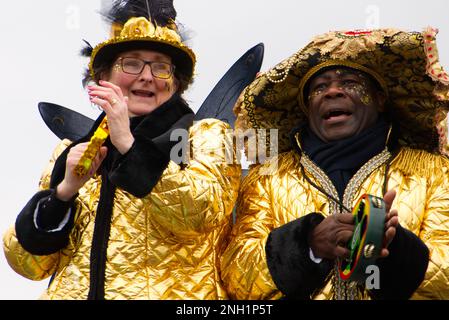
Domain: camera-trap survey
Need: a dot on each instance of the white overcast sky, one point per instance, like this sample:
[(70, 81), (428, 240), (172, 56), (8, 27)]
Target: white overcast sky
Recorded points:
[(39, 61)]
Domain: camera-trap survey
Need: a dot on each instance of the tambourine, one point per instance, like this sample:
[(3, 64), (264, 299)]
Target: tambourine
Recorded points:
[(365, 244)]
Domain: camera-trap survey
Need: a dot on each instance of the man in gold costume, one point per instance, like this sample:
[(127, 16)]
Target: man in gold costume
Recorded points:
[(358, 112)]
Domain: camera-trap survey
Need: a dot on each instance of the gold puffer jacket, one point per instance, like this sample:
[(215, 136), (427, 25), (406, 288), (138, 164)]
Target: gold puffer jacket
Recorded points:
[(276, 193), (164, 246)]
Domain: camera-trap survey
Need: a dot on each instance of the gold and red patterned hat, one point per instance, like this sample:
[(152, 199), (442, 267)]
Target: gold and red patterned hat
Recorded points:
[(405, 64)]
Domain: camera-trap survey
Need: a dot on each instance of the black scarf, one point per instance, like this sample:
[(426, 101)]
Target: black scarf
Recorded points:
[(151, 132), (137, 172), (341, 159)]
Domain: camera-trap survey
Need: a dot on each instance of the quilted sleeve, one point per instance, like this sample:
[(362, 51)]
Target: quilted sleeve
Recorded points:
[(244, 268), (435, 234), (27, 265), (196, 198), (44, 182), (31, 266)]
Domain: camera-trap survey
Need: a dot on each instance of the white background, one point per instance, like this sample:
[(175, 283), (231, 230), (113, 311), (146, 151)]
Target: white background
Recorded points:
[(39, 61)]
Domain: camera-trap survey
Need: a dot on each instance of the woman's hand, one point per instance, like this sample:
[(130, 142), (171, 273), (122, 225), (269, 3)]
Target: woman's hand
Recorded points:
[(110, 98), (72, 182)]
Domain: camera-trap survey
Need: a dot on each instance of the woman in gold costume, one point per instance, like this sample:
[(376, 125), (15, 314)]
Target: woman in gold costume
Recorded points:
[(141, 223)]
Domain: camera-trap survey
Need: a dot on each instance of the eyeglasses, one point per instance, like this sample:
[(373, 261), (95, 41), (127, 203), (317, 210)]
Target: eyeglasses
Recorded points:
[(135, 66)]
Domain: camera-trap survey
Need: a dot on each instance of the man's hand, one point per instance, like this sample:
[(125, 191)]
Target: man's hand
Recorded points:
[(328, 239), (391, 222)]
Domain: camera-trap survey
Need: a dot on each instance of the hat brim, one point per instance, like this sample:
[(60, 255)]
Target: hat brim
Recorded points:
[(182, 56), (417, 86)]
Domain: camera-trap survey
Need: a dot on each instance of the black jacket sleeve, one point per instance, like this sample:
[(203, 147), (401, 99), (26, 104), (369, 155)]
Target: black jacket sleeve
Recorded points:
[(38, 240), (291, 268), (404, 269)]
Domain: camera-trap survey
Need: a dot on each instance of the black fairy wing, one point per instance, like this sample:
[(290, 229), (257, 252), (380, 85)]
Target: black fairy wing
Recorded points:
[(220, 102), (63, 122)]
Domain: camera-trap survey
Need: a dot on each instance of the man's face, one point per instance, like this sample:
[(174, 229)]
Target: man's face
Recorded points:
[(342, 103)]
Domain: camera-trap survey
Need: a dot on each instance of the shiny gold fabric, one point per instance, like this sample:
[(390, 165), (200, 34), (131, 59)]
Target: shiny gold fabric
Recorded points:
[(269, 201), (164, 246)]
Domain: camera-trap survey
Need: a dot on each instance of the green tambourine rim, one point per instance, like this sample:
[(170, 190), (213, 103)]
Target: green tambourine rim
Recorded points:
[(369, 239)]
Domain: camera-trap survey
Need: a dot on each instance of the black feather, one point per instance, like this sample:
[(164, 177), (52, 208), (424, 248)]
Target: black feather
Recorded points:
[(87, 50), (162, 12), (86, 78)]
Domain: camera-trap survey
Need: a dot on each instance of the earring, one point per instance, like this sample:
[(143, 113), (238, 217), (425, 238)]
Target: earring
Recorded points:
[(168, 85)]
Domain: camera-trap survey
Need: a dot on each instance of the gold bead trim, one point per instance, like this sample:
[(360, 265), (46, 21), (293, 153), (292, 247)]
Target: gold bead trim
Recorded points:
[(273, 75)]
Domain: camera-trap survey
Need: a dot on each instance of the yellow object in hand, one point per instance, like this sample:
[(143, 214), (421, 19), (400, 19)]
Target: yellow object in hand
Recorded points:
[(97, 140)]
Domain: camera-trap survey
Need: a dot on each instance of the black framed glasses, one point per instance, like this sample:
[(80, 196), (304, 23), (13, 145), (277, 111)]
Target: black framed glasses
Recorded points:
[(135, 66)]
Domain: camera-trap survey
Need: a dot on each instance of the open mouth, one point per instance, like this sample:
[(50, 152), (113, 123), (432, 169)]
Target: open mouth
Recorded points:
[(336, 113), (143, 93)]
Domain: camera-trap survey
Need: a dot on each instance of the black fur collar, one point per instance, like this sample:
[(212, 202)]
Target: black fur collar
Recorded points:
[(153, 129)]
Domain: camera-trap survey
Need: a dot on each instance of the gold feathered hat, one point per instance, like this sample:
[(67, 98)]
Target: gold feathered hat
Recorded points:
[(405, 64), (137, 24)]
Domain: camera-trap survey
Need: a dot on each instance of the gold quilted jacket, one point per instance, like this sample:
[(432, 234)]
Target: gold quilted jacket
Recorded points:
[(277, 193), (164, 246)]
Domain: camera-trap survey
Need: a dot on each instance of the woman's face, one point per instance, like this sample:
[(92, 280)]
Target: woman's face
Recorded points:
[(145, 91)]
